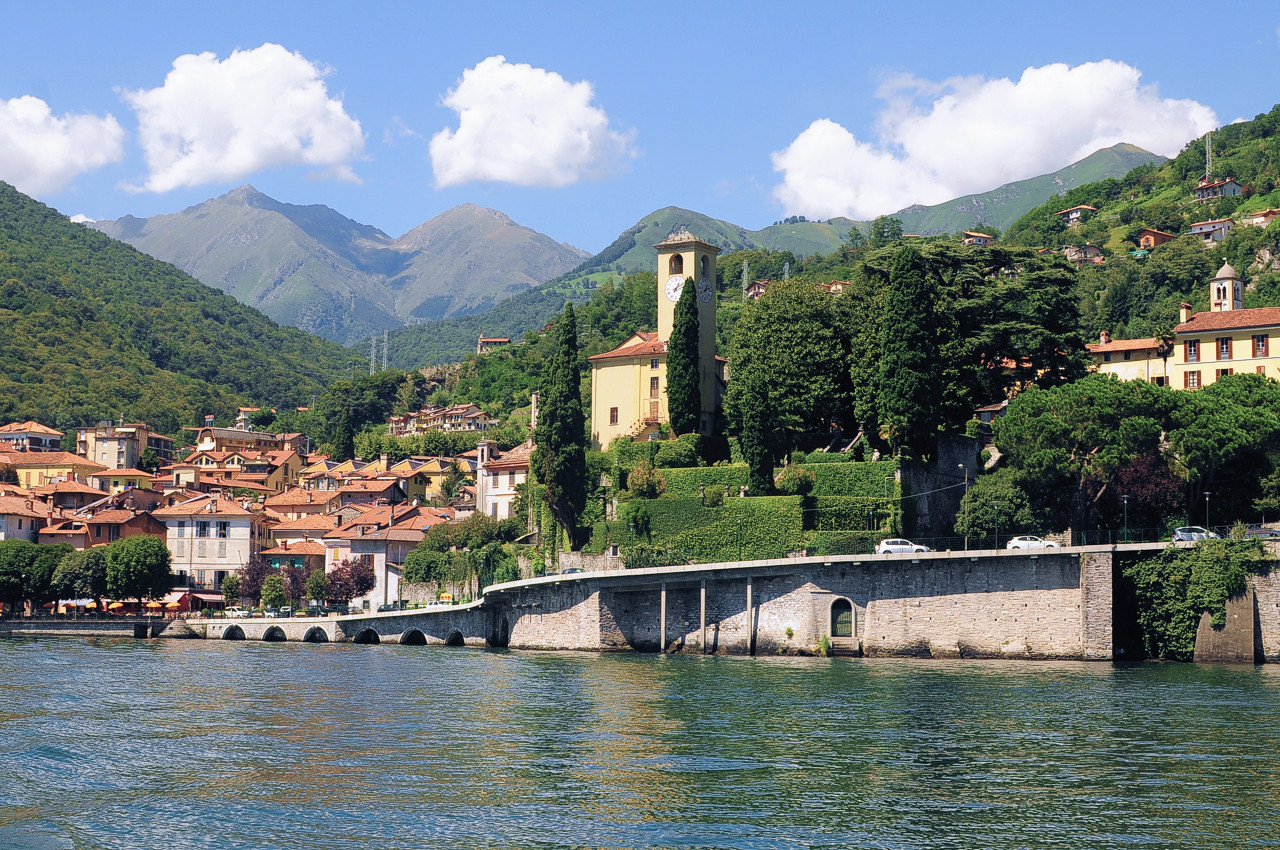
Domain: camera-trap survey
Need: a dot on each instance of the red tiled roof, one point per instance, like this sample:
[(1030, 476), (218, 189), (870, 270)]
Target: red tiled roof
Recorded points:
[(52, 459), (323, 522), (299, 496), (1122, 345), (1211, 221), (66, 487), (14, 506), (1077, 207), (122, 473), (1254, 317), (200, 505), (647, 347), (306, 547), (29, 427)]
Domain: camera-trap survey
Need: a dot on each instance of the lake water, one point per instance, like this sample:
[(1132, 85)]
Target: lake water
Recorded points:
[(152, 744)]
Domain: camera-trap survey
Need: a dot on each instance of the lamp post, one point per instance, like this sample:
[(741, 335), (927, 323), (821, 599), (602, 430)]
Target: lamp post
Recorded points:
[(1206, 510), (739, 538), (1125, 498), (966, 505), (997, 545)]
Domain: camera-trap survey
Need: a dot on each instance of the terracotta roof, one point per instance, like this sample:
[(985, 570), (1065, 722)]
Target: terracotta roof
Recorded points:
[(53, 459), (981, 235), (1078, 207), (110, 517), (1160, 232), (66, 487), (306, 547), (299, 496), (1211, 221), (14, 506), (1122, 345), (1254, 317), (29, 427), (517, 458), (648, 346), (322, 522), (495, 339), (122, 473), (200, 505), (376, 485), (1216, 184), (684, 237)]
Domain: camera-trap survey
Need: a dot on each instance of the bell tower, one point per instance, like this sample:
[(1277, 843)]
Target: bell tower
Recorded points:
[(1226, 290), (685, 260)]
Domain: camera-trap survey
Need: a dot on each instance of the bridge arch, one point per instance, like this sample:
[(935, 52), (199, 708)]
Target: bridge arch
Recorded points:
[(274, 634), (501, 636), (367, 635), (233, 632), (413, 637), (315, 634), (455, 638)]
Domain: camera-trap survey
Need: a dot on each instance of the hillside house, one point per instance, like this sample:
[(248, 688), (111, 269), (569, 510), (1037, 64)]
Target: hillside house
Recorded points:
[(1212, 231), (974, 238), (211, 439), (498, 477), (1081, 254), (35, 469), (1207, 189), (1261, 218), (29, 436), (1073, 216), (1130, 359), (1149, 237), (489, 344), (755, 289)]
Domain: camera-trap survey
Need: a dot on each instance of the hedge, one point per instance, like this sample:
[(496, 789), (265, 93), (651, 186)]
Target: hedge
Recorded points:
[(865, 479), (843, 542), (685, 482), (686, 451), (763, 527)]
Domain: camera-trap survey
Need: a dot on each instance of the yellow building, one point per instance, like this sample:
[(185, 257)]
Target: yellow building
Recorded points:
[(629, 383), (35, 469), (1226, 339)]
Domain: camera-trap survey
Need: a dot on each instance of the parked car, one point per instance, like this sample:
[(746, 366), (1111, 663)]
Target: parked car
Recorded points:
[(1264, 533), (1028, 541), (899, 546), (286, 611), (237, 612), (570, 570), (272, 612), (388, 606), (1188, 533)]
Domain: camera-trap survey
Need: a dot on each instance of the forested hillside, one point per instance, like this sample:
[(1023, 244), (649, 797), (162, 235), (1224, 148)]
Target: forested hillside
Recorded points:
[(1136, 296), (96, 329)]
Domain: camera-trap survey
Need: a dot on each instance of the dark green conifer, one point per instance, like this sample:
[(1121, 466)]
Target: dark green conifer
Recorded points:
[(559, 458), (909, 400), (684, 390)]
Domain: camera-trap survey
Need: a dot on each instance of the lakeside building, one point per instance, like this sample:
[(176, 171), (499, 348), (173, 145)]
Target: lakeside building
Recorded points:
[(122, 446), (211, 537), (628, 384), (498, 477), (29, 436)]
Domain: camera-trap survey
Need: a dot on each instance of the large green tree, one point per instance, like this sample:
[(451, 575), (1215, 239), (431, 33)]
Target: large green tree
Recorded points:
[(138, 567), (559, 457), (684, 389), (82, 574), (16, 559), (910, 397)]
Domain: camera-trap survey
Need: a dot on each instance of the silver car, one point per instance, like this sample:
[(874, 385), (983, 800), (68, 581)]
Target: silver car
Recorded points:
[(898, 546), (1189, 533)]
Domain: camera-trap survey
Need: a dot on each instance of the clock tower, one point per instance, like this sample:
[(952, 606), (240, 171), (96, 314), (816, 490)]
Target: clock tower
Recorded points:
[(685, 260)]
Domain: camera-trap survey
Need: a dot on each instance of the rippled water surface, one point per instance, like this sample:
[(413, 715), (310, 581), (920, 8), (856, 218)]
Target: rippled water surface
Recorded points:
[(149, 744)]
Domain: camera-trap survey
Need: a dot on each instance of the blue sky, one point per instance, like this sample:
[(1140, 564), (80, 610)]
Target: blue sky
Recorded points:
[(577, 119)]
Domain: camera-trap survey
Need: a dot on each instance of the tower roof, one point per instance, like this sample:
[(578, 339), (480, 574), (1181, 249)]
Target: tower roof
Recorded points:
[(1225, 271), (683, 237)]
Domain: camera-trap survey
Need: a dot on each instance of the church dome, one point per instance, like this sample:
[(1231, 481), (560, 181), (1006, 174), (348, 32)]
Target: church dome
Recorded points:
[(1225, 271)]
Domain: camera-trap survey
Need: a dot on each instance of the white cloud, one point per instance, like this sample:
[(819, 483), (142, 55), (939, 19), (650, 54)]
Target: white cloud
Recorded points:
[(524, 125), (81, 218), (938, 141), (214, 121), (41, 153)]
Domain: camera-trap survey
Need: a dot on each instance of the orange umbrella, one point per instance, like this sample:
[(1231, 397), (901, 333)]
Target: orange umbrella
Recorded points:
[(91, 605), (153, 604), (115, 606), (174, 604)]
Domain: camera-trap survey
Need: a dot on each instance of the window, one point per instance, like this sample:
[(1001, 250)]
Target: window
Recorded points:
[(1221, 373), (1128, 355), (97, 531), (653, 387), (1192, 350), (1260, 345), (653, 411), (677, 264), (202, 528), (1261, 370), (1106, 358), (1224, 347), (1160, 382), (224, 529), (1190, 380), (653, 364), (613, 416)]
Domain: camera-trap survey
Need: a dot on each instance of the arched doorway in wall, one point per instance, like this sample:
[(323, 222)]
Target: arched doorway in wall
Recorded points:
[(367, 636), (504, 632), (843, 623)]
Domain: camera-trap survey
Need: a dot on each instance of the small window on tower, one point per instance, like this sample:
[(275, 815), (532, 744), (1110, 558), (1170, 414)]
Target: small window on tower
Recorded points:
[(677, 264), (653, 364)]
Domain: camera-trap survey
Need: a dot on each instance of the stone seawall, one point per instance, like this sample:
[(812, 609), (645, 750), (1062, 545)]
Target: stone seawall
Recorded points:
[(983, 605)]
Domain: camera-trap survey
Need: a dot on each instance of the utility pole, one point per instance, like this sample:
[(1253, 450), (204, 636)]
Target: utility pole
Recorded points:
[(746, 281), (385, 337), (373, 354)]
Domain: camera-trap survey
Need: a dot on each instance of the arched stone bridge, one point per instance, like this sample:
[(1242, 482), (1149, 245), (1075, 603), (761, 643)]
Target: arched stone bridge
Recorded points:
[(457, 625)]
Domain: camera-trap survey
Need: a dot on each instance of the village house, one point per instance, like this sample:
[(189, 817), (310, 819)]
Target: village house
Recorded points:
[(386, 547), (37, 468), (1212, 231), (29, 436), (1149, 237), (976, 239), (1073, 216), (211, 439), (68, 495), (1081, 254), (1130, 359), (755, 289), (489, 344), (498, 476), (1208, 189), (298, 503), (122, 446), (1261, 218), (211, 537), (21, 518), (119, 480), (101, 525)]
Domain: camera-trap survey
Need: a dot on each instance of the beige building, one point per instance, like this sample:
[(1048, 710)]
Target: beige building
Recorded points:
[(121, 446), (1226, 339), (629, 383)]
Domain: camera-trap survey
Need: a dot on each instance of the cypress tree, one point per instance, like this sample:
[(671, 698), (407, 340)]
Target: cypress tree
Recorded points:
[(684, 390), (559, 458), (754, 436), (909, 400)]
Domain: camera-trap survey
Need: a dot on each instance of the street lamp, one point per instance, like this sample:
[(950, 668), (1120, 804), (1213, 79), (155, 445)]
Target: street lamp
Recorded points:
[(739, 538), (1125, 498), (997, 545), (1206, 510), (966, 505)]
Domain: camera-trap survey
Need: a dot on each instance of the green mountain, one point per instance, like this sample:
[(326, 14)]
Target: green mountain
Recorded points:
[(1003, 206), (94, 329), (312, 268)]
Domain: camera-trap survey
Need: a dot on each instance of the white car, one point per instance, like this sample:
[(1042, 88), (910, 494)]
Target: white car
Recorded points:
[(1029, 542), (236, 612), (898, 546)]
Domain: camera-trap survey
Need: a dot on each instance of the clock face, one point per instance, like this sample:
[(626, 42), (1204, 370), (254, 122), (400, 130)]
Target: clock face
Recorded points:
[(704, 288), (675, 283)]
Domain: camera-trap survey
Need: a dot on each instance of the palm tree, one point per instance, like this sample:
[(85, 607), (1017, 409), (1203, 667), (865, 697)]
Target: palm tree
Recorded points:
[(1164, 347)]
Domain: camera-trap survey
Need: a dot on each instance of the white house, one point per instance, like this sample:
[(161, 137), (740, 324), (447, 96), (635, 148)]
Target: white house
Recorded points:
[(211, 537)]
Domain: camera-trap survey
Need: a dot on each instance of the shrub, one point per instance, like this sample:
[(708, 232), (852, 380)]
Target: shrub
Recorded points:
[(795, 480), (819, 456), (645, 481), (681, 453)]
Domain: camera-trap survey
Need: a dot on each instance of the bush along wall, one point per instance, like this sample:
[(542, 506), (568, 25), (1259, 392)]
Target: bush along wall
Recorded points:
[(756, 528)]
